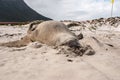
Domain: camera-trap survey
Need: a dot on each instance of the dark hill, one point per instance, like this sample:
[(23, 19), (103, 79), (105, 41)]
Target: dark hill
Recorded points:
[(18, 11)]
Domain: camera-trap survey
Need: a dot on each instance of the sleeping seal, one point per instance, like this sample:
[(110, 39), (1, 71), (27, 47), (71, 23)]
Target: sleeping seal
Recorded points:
[(52, 33)]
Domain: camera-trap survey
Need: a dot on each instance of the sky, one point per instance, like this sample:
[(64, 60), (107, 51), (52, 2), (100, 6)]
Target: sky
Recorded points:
[(75, 9)]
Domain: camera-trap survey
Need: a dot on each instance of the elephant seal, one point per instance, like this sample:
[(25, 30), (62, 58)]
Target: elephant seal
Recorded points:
[(52, 33)]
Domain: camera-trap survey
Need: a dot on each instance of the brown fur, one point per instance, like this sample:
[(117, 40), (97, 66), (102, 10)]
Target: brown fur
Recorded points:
[(52, 33)]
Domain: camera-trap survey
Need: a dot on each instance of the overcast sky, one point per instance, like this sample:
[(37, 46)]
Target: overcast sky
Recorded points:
[(74, 9)]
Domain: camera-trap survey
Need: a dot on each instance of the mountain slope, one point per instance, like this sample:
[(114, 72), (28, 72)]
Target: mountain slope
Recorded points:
[(18, 11)]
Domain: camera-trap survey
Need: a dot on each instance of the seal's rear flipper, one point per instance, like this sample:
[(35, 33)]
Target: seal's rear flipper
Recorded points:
[(19, 43)]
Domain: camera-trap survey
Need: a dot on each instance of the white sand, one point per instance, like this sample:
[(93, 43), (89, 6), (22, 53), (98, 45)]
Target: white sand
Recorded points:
[(45, 63)]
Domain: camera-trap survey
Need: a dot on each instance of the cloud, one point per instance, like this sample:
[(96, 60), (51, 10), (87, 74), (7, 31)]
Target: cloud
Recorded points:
[(74, 9)]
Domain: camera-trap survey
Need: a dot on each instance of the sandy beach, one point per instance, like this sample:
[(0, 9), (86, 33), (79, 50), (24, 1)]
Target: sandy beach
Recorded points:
[(47, 63)]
